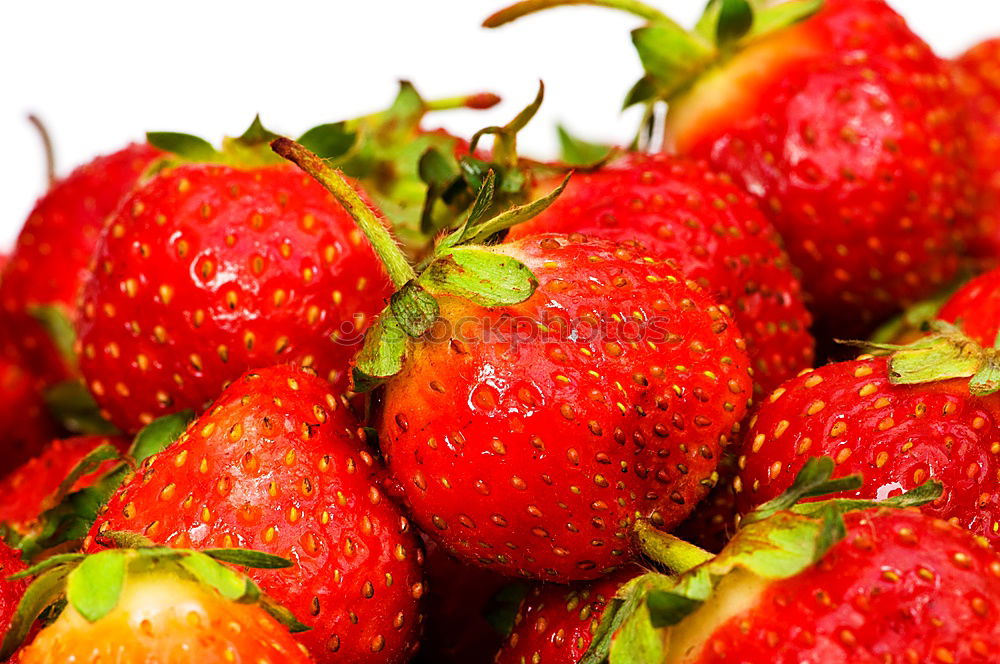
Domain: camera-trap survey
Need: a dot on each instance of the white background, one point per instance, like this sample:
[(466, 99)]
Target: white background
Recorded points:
[(102, 73)]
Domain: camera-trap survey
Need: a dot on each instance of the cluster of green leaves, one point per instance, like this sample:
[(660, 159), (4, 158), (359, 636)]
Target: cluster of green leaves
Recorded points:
[(74, 512), (673, 58), (398, 162), (92, 584), (778, 540), (248, 149)]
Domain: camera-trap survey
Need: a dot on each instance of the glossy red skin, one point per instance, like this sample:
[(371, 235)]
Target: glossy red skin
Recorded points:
[(555, 624), (896, 436), (977, 75), (901, 587), (52, 257), (712, 230), (456, 630), (273, 262), (28, 426), (515, 458), (10, 591), (276, 465), (975, 308), (27, 490), (857, 155)]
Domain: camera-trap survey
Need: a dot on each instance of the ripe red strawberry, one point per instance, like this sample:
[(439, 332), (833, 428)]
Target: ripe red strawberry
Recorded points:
[(844, 125), (151, 605), (975, 308), (30, 489), (28, 425), (555, 624), (596, 428), (10, 591), (541, 394), (54, 250), (276, 465), (977, 75), (895, 436), (209, 270), (900, 587), (715, 234)]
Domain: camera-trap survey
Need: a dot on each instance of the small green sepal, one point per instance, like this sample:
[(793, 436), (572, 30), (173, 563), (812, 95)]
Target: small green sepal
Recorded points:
[(578, 152), (414, 309), (382, 354), (186, 146), (73, 406)]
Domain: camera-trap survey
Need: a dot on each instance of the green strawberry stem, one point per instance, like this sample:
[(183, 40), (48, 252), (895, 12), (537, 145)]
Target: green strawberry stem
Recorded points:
[(50, 153), (672, 552), (526, 7), (479, 101), (399, 269)]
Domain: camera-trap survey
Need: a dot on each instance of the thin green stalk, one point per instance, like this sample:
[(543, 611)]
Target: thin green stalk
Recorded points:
[(525, 7), (479, 101), (333, 181), (669, 550)]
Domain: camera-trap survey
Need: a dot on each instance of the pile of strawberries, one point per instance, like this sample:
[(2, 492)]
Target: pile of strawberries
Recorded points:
[(386, 394)]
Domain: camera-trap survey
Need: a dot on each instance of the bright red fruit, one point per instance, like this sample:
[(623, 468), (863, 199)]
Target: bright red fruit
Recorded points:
[(28, 425), (901, 587), (210, 270), (276, 465), (896, 436), (27, 491), (528, 437), (846, 128), (975, 308), (10, 591), (977, 74), (54, 250), (715, 234), (555, 624)]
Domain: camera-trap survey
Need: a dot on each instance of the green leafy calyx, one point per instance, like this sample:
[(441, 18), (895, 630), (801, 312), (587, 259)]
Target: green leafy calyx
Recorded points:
[(464, 265), (945, 354), (672, 57)]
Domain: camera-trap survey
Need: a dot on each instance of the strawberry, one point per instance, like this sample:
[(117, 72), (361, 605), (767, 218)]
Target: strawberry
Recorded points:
[(977, 76), (829, 581), (22, 407), (209, 270), (975, 308), (896, 435), (53, 253), (276, 464), (555, 624), (841, 122), (540, 394), (715, 234), (33, 487), (11, 591), (901, 586), (154, 605)]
